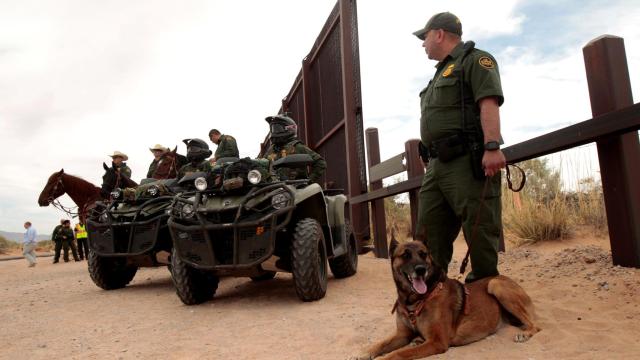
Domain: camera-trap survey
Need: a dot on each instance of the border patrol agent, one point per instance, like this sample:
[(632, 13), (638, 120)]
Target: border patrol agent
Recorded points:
[(284, 141), (460, 133), (118, 162), (227, 146), (197, 153)]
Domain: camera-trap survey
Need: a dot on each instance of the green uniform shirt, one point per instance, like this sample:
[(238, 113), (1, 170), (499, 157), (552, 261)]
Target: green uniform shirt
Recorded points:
[(152, 168), (204, 166), (64, 234), (276, 152), (227, 147), (440, 101), (55, 232), (125, 170)]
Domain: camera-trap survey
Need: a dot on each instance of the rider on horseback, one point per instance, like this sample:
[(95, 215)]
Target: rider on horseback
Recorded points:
[(119, 163)]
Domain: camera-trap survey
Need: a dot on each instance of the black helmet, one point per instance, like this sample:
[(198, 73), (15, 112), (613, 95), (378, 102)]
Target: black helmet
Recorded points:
[(197, 149), (282, 129)]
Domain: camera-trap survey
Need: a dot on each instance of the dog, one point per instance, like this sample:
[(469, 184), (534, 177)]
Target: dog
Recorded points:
[(444, 312)]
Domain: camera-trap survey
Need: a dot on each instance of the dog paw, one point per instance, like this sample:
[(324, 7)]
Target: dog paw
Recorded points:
[(521, 337)]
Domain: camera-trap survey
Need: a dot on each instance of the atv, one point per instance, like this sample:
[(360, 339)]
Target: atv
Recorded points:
[(130, 231), (244, 221)]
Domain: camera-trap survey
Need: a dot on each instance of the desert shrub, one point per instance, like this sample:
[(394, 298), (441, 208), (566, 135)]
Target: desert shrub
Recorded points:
[(45, 245), (539, 212), (533, 221), (6, 245), (587, 204)]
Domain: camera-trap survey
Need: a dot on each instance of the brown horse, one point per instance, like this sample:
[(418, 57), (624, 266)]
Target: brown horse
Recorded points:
[(82, 192), (169, 164)]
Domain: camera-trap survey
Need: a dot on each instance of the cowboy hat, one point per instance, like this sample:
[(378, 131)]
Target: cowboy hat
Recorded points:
[(118, 153), (158, 147)]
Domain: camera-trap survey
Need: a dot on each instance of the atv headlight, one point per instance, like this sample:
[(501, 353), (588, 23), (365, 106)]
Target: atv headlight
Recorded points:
[(116, 193), (200, 183), (254, 176), (153, 190), (281, 200), (187, 210)]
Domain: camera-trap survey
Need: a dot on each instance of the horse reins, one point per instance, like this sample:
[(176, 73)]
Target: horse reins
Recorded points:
[(57, 204), (465, 261)]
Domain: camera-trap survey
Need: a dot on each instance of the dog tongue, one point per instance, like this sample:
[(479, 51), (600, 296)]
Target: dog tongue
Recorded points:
[(419, 285)]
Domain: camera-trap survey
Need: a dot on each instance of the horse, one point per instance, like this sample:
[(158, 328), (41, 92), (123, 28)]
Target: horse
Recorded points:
[(82, 192), (112, 179), (169, 164)]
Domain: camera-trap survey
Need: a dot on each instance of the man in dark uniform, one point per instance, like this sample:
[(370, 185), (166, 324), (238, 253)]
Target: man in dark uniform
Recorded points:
[(119, 163), (284, 141), (64, 240), (227, 146), (460, 133), (197, 153), (54, 238)]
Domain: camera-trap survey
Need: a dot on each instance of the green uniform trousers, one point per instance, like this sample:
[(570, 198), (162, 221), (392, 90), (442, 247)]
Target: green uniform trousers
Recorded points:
[(450, 198), (65, 245)]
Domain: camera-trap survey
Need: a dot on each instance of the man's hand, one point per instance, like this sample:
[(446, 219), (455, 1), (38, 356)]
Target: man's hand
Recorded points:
[(493, 161)]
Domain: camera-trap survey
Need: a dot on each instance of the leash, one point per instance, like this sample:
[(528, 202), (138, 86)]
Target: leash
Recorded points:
[(465, 261)]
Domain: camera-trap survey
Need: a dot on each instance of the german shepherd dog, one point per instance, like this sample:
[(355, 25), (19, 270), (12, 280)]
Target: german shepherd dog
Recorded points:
[(443, 312)]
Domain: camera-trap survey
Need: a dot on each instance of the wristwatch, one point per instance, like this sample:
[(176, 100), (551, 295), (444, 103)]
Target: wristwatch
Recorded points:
[(492, 146)]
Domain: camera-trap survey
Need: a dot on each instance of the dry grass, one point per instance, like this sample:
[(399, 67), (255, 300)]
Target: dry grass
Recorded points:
[(6, 245), (543, 211)]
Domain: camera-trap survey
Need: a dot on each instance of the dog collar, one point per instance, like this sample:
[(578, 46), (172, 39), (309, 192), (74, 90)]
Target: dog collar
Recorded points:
[(412, 315)]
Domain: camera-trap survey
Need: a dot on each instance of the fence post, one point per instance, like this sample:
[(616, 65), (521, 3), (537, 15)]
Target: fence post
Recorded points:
[(414, 168), (377, 206), (610, 89)]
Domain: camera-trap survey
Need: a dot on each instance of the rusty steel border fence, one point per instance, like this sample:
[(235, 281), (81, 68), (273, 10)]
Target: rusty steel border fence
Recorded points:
[(613, 128), (326, 103)]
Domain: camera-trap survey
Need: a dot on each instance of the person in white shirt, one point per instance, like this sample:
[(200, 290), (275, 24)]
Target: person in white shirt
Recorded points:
[(29, 244)]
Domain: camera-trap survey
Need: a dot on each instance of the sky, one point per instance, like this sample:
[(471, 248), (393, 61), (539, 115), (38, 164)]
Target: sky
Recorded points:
[(82, 78)]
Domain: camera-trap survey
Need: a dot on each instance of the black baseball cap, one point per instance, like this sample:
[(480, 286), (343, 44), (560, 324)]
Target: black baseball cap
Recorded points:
[(445, 21)]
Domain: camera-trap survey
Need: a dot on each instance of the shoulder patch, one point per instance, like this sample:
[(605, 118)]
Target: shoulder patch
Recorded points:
[(448, 70), (486, 62)]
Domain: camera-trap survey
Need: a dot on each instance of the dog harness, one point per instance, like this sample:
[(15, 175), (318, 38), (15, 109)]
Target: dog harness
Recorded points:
[(418, 306), (412, 315)]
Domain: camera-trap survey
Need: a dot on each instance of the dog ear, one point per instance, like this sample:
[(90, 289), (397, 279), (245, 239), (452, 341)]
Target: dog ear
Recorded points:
[(105, 167), (393, 245)]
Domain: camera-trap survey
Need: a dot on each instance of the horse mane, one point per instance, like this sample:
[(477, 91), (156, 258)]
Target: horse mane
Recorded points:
[(79, 181)]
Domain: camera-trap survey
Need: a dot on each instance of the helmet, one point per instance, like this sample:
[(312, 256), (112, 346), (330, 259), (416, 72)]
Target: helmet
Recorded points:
[(282, 129), (197, 149)]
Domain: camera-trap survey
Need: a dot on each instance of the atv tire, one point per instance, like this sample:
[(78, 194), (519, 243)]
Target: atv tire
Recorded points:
[(309, 260), (193, 286), (110, 273), (347, 264)]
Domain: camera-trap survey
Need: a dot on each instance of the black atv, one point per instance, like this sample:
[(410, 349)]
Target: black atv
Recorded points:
[(244, 221), (129, 232)]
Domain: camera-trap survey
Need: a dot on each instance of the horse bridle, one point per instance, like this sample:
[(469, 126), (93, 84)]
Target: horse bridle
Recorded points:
[(57, 204)]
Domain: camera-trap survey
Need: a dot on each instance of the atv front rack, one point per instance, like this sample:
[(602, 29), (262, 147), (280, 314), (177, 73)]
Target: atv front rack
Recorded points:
[(246, 241), (110, 238)]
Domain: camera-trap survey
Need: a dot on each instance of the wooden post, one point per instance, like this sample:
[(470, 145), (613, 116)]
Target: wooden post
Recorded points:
[(415, 168), (619, 156), (377, 206)]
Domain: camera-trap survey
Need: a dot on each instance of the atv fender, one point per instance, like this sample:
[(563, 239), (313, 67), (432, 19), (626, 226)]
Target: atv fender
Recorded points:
[(311, 203)]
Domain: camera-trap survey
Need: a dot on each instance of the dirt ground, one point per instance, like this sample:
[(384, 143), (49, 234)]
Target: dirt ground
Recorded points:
[(587, 308)]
